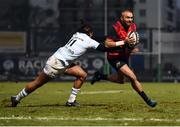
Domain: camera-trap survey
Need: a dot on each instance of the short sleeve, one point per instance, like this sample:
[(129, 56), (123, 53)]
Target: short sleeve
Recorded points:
[(93, 44)]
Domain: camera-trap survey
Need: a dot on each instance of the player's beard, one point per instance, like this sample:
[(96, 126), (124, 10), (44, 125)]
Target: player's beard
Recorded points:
[(128, 23)]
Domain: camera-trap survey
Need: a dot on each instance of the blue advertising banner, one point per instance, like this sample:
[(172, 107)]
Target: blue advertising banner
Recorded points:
[(24, 69)]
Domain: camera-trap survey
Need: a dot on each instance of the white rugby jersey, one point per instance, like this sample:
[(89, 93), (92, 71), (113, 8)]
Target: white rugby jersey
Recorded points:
[(77, 46)]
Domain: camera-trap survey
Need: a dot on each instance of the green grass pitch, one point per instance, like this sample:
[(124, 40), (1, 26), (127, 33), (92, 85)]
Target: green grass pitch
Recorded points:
[(102, 104)]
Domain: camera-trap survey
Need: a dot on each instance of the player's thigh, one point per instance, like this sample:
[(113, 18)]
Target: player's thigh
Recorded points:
[(127, 71), (42, 78), (76, 71)]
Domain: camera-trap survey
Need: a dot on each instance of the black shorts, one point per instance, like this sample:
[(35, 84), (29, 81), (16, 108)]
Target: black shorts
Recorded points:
[(117, 63)]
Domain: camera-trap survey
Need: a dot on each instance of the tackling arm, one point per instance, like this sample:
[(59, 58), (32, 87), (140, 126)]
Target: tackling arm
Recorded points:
[(101, 47)]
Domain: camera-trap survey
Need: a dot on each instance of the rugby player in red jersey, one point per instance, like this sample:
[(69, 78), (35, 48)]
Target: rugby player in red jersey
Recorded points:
[(119, 59)]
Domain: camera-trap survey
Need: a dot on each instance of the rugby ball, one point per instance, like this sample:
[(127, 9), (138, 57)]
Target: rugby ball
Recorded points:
[(134, 35)]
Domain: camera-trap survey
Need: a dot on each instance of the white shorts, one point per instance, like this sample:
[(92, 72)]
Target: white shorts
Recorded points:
[(54, 67)]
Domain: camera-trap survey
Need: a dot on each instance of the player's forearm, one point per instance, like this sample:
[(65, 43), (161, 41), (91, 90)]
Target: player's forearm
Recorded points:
[(102, 48), (110, 43)]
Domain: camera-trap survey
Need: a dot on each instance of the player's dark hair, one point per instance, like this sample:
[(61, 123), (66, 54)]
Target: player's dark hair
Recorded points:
[(127, 9), (85, 28)]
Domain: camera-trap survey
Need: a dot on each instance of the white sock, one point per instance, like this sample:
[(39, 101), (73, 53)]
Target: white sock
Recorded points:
[(73, 95), (21, 94)]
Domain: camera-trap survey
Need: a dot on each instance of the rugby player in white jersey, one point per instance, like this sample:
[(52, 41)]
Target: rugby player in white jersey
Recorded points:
[(61, 62)]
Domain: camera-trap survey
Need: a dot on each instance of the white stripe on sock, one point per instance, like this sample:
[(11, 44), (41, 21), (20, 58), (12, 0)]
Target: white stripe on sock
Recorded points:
[(21, 95), (73, 95)]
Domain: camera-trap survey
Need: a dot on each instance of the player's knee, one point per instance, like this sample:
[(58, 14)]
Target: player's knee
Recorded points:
[(133, 78), (83, 76)]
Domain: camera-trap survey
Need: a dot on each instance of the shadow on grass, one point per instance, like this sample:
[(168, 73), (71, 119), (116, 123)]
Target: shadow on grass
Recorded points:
[(7, 103), (63, 105)]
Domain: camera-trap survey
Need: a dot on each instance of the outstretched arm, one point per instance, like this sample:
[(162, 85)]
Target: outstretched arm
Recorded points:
[(101, 47)]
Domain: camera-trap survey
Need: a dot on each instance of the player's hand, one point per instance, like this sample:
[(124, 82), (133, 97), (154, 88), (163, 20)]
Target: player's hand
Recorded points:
[(129, 40)]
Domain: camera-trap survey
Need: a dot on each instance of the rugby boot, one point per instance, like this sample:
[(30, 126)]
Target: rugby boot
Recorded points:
[(96, 77), (14, 102), (152, 103), (72, 104)]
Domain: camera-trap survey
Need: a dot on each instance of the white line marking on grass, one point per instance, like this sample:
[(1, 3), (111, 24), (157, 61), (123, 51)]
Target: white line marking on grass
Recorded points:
[(105, 92), (89, 119)]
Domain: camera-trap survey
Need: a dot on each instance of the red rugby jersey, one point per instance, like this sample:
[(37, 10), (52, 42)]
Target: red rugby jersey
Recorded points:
[(121, 34)]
